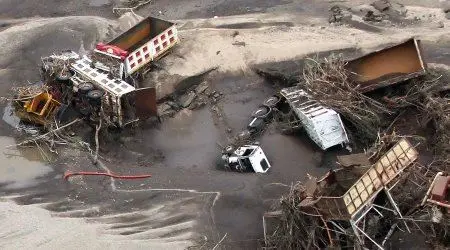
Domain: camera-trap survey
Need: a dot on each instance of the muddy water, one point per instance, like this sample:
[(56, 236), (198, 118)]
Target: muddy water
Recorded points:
[(20, 168), (98, 3), (188, 139)]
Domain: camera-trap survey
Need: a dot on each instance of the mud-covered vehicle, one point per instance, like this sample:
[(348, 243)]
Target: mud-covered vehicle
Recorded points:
[(247, 158)]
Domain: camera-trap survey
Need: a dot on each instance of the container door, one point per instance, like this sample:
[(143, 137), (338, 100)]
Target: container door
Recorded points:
[(145, 103), (331, 131)]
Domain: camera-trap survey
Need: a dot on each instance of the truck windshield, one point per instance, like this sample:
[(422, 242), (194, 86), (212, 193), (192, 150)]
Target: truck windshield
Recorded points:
[(264, 164), (246, 164)]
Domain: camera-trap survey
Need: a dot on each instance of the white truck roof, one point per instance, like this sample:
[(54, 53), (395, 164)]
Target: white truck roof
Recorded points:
[(116, 86), (323, 125)]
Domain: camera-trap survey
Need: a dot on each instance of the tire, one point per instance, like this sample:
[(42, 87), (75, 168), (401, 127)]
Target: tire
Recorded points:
[(262, 112), (256, 125), (272, 101), (95, 94), (85, 87)]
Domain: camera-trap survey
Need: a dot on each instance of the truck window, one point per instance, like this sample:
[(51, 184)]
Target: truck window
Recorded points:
[(264, 164)]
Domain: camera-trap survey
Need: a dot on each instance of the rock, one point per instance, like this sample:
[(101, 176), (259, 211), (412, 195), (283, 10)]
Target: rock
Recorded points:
[(445, 6), (447, 15), (201, 87), (381, 5), (187, 99), (165, 110), (237, 43), (399, 9), (338, 15), (365, 9), (440, 24), (371, 17)]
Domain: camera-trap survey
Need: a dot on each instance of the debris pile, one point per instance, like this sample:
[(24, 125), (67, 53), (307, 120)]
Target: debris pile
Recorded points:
[(192, 98), (330, 84), (99, 88), (371, 195), (360, 205)]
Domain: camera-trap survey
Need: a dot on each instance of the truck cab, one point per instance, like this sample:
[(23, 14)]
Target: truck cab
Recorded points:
[(247, 158)]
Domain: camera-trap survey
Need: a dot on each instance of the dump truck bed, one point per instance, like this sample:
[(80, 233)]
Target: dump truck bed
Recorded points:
[(388, 66), (147, 41)]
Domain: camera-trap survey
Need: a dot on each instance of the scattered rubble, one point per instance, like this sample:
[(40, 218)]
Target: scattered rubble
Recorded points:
[(374, 16), (237, 43), (359, 206), (187, 99), (338, 14), (381, 10), (381, 5)]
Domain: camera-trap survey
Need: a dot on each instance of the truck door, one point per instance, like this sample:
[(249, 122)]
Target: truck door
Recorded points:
[(145, 103)]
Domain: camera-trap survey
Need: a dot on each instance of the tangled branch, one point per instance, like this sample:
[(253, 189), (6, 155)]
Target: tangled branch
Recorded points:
[(330, 84)]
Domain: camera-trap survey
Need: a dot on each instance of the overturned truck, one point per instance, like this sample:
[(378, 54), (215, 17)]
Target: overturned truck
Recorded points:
[(345, 207), (101, 84)]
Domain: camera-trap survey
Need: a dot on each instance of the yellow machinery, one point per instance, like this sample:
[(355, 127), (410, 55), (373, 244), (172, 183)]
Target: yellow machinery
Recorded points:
[(39, 110)]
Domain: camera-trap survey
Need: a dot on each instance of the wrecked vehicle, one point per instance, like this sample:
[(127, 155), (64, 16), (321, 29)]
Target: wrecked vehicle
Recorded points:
[(145, 42), (121, 102), (101, 81), (40, 109), (388, 66), (324, 126), (346, 206), (247, 158), (438, 193)]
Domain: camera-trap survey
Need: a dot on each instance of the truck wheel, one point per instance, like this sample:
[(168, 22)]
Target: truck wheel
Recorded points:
[(262, 112), (85, 87), (272, 101), (95, 94)]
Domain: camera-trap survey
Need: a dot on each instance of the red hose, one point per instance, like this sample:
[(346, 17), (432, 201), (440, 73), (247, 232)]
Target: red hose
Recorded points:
[(68, 174)]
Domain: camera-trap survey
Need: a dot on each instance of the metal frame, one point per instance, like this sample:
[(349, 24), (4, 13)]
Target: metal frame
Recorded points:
[(362, 213)]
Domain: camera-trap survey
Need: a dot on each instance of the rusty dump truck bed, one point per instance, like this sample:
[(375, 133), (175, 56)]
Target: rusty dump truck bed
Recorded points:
[(388, 66), (141, 33)]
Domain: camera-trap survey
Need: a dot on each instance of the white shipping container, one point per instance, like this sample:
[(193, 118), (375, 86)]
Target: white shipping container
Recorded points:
[(323, 125)]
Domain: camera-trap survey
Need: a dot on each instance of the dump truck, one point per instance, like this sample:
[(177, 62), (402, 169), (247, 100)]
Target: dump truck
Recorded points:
[(295, 109), (389, 65), (145, 42), (121, 103)]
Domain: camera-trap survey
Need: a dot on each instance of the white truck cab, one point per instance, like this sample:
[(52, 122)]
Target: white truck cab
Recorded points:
[(247, 158)]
